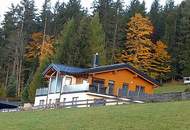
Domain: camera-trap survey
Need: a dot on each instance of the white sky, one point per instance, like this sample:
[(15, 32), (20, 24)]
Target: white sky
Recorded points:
[(4, 4)]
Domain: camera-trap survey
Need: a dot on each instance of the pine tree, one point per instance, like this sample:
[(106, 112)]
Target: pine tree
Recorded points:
[(157, 18), (97, 39), (11, 87), (136, 7), (67, 50), (182, 47)]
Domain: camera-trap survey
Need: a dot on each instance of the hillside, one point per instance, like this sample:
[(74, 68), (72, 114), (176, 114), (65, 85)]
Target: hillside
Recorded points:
[(158, 116), (171, 87)]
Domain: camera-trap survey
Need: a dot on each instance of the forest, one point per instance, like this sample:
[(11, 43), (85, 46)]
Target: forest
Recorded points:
[(156, 42)]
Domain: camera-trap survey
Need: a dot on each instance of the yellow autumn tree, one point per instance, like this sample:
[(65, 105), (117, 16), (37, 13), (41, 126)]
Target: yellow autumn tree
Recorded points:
[(160, 64), (38, 48), (139, 45)]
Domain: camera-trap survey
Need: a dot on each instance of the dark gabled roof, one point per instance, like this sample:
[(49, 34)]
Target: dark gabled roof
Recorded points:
[(75, 70), (65, 69), (120, 66)]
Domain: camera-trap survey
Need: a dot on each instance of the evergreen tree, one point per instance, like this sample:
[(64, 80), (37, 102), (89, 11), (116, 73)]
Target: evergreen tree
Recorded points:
[(181, 48), (157, 18), (27, 12), (110, 14), (136, 7), (97, 39), (11, 88), (67, 51)]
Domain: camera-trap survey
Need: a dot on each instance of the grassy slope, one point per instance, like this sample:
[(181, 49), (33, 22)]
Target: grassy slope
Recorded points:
[(171, 87), (158, 116)]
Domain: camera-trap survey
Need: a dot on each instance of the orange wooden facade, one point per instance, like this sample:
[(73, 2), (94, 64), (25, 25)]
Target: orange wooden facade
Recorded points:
[(123, 76)]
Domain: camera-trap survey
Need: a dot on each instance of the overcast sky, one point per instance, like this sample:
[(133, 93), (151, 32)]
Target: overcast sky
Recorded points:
[(4, 4)]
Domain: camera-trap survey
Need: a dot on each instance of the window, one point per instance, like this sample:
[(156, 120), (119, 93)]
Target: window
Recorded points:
[(41, 102), (139, 90), (125, 90), (56, 85), (68, 81), (53, 85), (98, 85), (59, 84), (111, 85)]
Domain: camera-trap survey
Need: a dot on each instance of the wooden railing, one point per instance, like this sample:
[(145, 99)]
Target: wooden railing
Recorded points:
[(84, 103)]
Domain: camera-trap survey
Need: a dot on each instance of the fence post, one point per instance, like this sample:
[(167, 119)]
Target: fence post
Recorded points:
[(87, 102), (117, 101)]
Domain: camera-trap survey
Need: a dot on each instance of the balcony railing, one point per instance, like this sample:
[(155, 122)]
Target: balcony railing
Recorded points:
[(75, 88), (65, 89), (42, 92)]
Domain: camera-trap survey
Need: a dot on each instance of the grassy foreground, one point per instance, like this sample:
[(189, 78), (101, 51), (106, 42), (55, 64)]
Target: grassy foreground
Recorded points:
[(171, 87), (158, 116)]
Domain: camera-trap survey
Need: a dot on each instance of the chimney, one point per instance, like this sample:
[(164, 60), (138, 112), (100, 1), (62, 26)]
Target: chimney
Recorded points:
[(95, 60)]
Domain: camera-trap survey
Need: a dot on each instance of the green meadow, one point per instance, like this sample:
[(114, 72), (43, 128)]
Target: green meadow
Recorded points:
[(154, 116)]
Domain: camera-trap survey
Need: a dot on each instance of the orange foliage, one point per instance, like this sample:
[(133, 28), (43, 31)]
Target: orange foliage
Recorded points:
[(141, 52), (37, 49)]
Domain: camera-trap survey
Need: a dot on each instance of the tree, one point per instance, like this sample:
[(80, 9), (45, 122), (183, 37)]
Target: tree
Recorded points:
[(139, 44), (157, 18), (110, 14), (47, 18), (67, 50), (37, 80), (97, 39), (43, 54), (36, 49), (145, 55), (27, 14), (160, 64), (181, 47), (11, 87), (135, 7)]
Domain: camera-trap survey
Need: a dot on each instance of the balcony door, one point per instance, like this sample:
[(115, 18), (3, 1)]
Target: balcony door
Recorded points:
[(55, 86), (98, 86), (111, 85), (124, 90)]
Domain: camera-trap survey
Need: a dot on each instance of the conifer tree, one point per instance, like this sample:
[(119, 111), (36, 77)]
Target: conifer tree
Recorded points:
[(97, 39), (67, 50), (182, 46)]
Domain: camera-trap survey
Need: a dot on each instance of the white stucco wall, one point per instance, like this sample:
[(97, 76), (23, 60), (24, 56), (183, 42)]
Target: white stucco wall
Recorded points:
[(53, 98), (37, 100)]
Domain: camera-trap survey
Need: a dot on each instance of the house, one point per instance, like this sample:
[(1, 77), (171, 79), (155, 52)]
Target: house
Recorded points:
[(72, 83)]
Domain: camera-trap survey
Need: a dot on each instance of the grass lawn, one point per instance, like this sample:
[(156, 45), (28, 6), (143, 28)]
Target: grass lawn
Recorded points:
[(171, 87), (157, 116)]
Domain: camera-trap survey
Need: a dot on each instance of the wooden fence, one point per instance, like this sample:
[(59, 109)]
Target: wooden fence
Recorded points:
[(83, 103)]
